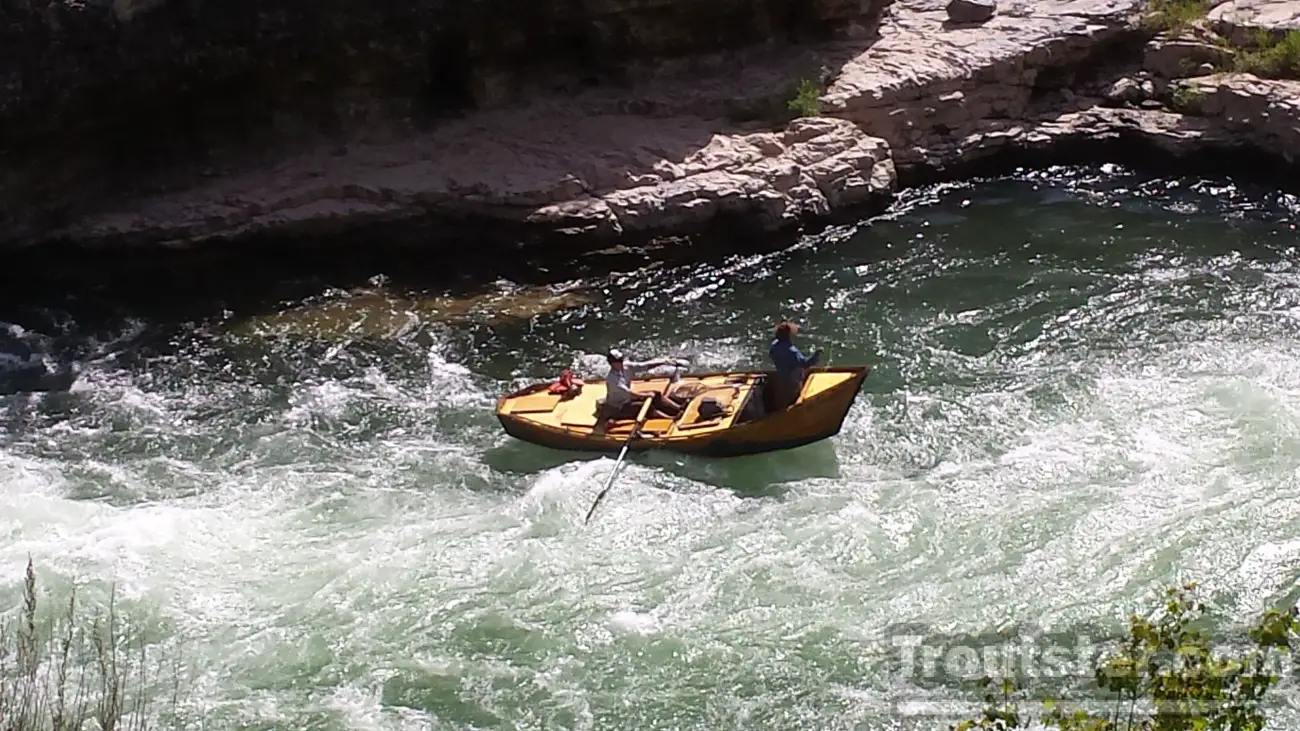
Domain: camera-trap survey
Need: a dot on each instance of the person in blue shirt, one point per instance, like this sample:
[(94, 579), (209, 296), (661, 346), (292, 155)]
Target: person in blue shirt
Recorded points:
[(791, 365)]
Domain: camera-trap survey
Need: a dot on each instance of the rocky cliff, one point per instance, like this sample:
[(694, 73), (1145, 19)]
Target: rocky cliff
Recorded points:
[(79, 65), (104, 97), (587, 121)]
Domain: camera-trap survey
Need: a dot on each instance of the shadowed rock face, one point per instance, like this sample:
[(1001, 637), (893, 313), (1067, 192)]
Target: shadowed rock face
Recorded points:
[(658, 156), (80, 64), (100, 97)]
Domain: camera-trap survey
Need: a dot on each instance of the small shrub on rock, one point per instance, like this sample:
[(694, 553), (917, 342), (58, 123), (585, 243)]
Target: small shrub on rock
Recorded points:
[(1271, 55), (807, 100), (1174, 15), (1185, 97)]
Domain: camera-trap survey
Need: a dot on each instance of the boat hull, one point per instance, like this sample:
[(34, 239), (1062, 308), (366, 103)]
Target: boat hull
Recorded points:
[(533, 416)]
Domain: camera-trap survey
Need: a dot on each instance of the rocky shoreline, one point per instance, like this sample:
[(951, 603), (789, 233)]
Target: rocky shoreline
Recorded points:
[(907, 95)]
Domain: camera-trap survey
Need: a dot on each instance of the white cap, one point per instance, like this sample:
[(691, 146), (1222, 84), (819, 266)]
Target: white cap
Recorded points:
[(614, 354)]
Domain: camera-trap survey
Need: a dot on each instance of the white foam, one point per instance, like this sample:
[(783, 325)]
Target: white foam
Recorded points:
[(1043, 482), (637, 623)]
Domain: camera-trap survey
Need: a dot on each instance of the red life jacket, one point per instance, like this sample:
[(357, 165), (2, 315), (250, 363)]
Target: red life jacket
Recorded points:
[(564, 384)]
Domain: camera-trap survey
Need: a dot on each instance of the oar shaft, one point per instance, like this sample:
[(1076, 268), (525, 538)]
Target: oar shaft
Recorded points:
[(636, 429)]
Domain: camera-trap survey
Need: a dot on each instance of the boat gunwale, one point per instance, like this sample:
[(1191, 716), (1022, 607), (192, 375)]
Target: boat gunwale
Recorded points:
[(536, 387), (860, 374)]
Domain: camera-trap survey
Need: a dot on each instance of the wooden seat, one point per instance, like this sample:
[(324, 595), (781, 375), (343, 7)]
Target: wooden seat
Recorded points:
[(652, 427), (581, 412), (657, 426), (535, 403)]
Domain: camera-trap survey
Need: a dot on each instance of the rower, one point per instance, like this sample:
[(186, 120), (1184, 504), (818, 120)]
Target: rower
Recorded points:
[(618, 388), (791, 365)]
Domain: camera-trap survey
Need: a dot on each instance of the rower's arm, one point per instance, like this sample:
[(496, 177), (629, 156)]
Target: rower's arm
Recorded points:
[(645, 365), (806, 361)]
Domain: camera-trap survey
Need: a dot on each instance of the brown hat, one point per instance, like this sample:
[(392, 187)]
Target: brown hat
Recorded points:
[(786, 329)]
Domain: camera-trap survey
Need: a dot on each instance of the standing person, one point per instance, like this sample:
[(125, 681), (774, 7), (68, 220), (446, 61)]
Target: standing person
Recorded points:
[(791, 365), (618, 386)]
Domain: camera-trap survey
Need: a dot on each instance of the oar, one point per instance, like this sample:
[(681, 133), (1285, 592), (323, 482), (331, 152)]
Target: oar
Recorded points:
[(636, 429)]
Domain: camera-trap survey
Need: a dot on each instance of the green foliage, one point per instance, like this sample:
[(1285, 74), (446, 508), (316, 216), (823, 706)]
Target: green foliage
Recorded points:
[(1000, 711), (807, 100), (1185, 97), (1271, 55), (1174, 15), (1166, 677)]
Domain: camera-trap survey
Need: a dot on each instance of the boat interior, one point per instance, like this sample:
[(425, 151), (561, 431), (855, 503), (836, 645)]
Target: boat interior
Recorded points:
[(712, 402)]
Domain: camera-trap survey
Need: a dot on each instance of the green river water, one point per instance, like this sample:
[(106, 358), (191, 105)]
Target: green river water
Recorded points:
[(1085, 388)]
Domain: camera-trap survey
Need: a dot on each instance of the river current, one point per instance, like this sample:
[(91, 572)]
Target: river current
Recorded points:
[(1086, 388)]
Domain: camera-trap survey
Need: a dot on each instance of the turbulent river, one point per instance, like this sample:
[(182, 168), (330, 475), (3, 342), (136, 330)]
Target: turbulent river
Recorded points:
[(1086, 388)]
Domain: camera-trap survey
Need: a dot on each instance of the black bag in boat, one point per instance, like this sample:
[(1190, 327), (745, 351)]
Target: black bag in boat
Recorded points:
[(710, 408)]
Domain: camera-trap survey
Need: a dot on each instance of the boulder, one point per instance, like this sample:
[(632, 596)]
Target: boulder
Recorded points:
[(1129, 91), (971, 11), (1232, 111), (26, 364), (1239, 20), (925, 83)]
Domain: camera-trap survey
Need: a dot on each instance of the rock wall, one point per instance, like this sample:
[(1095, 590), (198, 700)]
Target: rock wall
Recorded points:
[(74, 65), (101, 98), (688, 142)]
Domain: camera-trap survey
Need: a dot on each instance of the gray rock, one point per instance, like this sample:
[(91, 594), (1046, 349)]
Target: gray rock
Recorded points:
[(25, 364), (971, 11), (1128, 91), (1239, 20), (1182, 57)]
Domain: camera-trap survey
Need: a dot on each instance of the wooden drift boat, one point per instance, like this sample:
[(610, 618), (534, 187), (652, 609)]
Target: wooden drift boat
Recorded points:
[(728, 414)]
